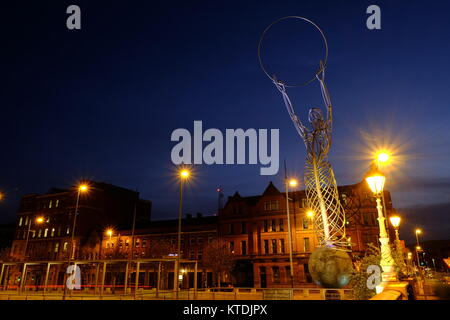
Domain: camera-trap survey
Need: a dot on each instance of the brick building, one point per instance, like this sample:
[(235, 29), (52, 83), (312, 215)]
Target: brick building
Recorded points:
[(257, 232), (254, 228)]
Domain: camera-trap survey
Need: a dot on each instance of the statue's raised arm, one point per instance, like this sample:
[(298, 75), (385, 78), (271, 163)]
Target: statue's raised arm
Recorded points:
[(301, 129), (325, 95)]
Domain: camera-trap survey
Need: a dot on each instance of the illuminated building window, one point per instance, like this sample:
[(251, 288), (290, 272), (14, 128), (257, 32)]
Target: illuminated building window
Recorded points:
[(305, 223), (53, 232), (50, 204), (304, 203), (39, 233), (65, 246), (57, 204), (68, 230), (137, 243), (34, 233), (20, 222), (45, 233), (144, 243), (306, 244), (26, 221), (276, 274), (56, 247), (274, 246)]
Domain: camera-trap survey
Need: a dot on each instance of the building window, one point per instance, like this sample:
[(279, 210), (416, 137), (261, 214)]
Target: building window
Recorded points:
[(191, 254), (288, 273), (304, 203), (65, 246), (271, 205), (56, 247), (281, 225), (306, 244), (232, 246), (282, 246), (274, 246), (57, 204), (274, 225), (26, 221), (53, 232), (50, 204), (305, 223), (266, 246), (59, 231), (20, 222), (39, 233), (45, 232), (200, 254), (68, 230), (344, 198), (137, 243), (266, 227), (24, 234), (144, 243), (276, 274), (227, 228), (243, 227), (243, 247), (200, 241)]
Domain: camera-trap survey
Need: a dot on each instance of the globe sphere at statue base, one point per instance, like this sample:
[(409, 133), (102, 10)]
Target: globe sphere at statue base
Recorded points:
[(330, 268)]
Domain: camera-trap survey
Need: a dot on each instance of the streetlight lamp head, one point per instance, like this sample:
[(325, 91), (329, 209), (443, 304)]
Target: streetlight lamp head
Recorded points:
[(375, 179), (293, 182), (395, 221), (418, 248), (83, 187), (310, 214), (382, 157), (39, 219), (184, 173), (109, 232), (418, 231)]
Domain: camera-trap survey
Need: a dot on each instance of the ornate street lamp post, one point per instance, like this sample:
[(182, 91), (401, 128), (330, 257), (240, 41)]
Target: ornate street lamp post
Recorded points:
[(375, 179)]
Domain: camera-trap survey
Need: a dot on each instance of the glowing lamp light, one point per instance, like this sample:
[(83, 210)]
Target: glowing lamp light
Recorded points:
[(418, 231), (383, 157), (83, 188), (39, 220), (184, 174), (395, 221), (310, 214), (293, 182), (375, 179), (418, 248), (109, 232), (2, 196)]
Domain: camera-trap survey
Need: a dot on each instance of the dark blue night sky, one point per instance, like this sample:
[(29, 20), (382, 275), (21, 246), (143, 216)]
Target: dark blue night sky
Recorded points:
[(101, 103)]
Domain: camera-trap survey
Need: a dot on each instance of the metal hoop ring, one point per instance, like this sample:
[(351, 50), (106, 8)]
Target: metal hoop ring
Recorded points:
[(261, 64)]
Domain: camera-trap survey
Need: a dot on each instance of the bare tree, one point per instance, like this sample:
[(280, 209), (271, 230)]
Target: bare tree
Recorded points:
[(219, 259)]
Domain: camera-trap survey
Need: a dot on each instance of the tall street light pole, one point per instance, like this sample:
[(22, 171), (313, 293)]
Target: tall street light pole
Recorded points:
[(71, 254), (292, 183), (375, 179), (183, 175)]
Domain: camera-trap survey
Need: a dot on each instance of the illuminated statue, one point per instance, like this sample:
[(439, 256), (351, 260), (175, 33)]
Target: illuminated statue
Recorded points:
[(321, 189)]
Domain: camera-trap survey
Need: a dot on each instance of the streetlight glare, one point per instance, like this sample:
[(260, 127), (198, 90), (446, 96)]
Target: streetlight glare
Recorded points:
[(83, 187), (2, 196), (39, 219), (383, 157), (418, 231), (293, 182), (109, 232), (185, 173), (395, 221), (310, 214)]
